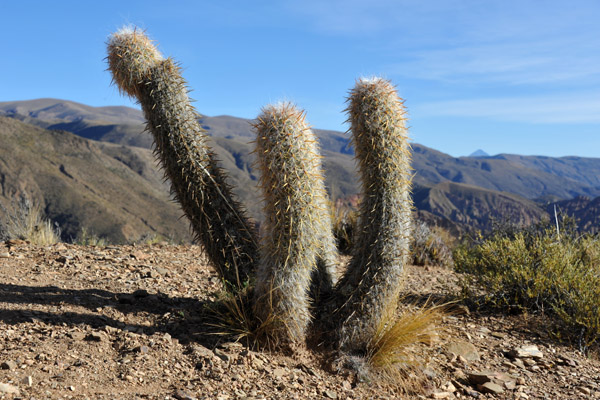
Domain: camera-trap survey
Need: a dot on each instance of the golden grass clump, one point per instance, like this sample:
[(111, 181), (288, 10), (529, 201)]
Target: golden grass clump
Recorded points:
[(390, 349), (26, 222)]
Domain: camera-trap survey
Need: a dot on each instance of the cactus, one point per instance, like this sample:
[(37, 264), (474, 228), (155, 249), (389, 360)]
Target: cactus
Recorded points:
[(297, 254), (297, 225), (218, 221), (372, 282)]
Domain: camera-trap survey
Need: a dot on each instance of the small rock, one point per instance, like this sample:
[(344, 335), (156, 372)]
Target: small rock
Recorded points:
[(529, 351), (498, 335), (584, 390), (529, 362), (6, 388), (181, 394), (279, 372), (8, 365), (330, 394), (76, 335), (221, 354), (441, 395), (510, 385), (490, 387), (5, 255), (95, 337), (28, 380), (521, 381), (346, 385), (463, 349), (71, 388), (141, 349)]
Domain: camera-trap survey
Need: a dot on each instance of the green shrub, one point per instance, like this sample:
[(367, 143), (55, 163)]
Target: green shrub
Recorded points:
[(535, 269)]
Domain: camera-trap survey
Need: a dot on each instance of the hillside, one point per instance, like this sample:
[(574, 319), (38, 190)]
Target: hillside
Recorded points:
[(474, 207), (105, 188), (501, 186)]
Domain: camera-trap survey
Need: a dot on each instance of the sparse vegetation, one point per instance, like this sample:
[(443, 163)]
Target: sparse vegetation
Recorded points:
[(89, 238), (536, 270), (431, 246), (25, 221)]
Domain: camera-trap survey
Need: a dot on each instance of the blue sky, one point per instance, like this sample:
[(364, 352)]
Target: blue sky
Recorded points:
[(505, 76)]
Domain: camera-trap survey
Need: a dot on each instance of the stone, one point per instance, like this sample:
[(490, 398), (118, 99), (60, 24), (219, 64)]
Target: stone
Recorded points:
[(5, 255), (279, 372), (94, 337), (221, 354), (330, 394), (10, 389), (28, 380), (528, 351), (463, 349), (182, 394), (490, 387), (584, 390), (441, 395), (8, 365)]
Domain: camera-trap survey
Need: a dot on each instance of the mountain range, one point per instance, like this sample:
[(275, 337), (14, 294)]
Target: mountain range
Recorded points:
[(93, 168)]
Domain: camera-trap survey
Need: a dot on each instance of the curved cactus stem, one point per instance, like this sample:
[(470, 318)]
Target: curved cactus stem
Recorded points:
[(197, 182), (297, 221), (372, 282)]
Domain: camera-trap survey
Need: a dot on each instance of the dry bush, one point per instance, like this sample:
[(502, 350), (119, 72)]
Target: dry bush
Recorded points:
[(431, 246), (26, 222)]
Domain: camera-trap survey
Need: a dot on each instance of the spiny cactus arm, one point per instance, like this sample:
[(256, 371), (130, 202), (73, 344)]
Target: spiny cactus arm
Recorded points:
[(296, 219), (197, 182), (372, 282)]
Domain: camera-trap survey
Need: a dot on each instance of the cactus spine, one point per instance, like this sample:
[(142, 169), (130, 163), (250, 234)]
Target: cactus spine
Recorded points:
[(297, 222), (372, 282), (199, 185)]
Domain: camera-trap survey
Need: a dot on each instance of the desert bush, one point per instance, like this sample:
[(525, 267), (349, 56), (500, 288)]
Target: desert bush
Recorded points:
[(344, 221), (533, 269), (26, 222), (431, 246), (89, 238)]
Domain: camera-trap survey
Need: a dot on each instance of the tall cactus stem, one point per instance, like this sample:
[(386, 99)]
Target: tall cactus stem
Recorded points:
[(371, 285), (296, 220), (198, 184)]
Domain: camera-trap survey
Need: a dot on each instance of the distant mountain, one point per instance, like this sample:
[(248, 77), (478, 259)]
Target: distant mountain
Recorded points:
[(479, 153), (465, 190)]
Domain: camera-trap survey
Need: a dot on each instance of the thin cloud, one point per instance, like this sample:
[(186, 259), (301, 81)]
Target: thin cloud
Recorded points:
[(558, 109)]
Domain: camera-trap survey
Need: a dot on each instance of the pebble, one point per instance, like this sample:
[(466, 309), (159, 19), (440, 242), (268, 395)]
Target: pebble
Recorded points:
[(330, 394), (28, 380), (5, 255), (490, 387), (8, 365), (584, 390), (529, 351), (181, 394), (463, 349), (95, 337), (6, 388)]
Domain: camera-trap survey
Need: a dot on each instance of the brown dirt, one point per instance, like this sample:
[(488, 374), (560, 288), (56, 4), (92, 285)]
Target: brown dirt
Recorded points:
[(131, 322)]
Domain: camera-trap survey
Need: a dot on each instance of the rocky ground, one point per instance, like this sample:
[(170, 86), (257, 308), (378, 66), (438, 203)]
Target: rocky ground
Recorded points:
[(134, 322)]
